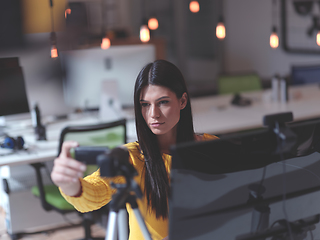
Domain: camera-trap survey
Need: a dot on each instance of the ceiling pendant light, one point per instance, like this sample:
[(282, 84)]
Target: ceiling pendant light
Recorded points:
[(274, 39), (54, 50), (194, 6), (53, 37), (105, 43), (67, 12), (221, 29), (153, 23), (144, 33), (144, 30)]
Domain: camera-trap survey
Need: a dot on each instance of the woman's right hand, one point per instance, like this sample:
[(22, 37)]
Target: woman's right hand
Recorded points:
[(67, 171)]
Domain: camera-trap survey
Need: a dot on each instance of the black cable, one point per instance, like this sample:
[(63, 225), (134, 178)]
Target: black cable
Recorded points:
[(274, 2), (263, 176), (260, 185), (52, 19), (311, 234), (280, 144)]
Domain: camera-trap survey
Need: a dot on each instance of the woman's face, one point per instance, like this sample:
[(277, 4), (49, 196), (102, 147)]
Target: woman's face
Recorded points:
[(160, 108)]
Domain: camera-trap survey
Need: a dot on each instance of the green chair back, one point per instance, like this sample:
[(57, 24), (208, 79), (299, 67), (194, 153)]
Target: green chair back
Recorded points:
[(238, 83), (110, 137), (53, 197)]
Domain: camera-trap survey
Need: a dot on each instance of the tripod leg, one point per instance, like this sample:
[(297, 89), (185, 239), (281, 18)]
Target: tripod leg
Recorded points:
[(142, 224), (123, 224), (112, 226)]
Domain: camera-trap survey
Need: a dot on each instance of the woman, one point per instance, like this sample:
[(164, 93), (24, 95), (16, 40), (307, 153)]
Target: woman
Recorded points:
[(163, 118)]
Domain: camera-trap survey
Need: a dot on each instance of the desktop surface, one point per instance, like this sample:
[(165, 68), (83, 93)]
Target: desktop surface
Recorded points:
[(216, 115)]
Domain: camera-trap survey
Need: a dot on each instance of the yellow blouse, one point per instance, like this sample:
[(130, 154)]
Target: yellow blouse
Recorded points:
[(97, 192)]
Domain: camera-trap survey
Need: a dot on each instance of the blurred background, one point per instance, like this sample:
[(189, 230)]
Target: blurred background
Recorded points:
[(183, 35)]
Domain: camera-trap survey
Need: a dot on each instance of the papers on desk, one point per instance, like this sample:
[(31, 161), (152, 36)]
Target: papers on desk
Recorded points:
[(5, 151)]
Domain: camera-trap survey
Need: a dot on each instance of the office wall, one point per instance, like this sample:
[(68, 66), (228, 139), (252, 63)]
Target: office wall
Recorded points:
[(248, 24)]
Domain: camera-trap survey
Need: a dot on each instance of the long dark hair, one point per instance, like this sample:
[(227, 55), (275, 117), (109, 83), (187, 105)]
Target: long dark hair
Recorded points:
[(161, 73)]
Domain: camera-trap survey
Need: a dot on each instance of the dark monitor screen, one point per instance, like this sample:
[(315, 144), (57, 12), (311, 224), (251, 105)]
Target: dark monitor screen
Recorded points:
[(13, 96), (210, 182), (305, 74)]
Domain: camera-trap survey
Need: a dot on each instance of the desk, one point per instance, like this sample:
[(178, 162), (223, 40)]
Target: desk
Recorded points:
[(215, 114), (212, 114), (42, 151), (15, 170)]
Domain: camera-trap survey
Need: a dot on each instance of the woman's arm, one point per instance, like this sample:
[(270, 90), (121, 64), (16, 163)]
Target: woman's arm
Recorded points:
[(86, 194)]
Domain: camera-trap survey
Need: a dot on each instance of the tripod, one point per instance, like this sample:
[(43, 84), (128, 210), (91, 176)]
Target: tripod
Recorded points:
[(115, 163), (118, 215)]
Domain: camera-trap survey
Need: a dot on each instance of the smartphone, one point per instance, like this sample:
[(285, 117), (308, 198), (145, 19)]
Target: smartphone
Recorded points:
[(88, 154)]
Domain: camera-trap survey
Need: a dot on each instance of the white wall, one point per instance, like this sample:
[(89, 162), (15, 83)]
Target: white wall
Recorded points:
[(248, 26)]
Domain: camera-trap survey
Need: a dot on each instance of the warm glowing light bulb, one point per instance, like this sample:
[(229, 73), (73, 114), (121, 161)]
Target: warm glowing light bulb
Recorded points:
[(274, 40), (105, 44), (66, 12), (144, 33), (194, 6), (318, 38), (153, 23), (54, 51), (220, 31)]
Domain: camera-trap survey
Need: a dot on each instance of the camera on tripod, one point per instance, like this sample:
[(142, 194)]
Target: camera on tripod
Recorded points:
[(115, 162)]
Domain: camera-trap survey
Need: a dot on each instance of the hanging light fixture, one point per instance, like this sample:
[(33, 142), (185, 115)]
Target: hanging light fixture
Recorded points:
[(53, 37), (274, 38), (318, 38), (67, 12), (144, 33), (144, 30), (153, 23), (221, 29), (194, 6), (54, 50), (105, 41)]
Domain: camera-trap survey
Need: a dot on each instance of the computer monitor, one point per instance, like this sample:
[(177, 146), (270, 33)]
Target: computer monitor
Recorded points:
[(305, 74), (13, 96), (85, 70), (211, 182)]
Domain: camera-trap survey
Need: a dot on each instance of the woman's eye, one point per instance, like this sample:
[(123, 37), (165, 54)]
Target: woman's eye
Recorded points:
[(163, 102), (144, 104)]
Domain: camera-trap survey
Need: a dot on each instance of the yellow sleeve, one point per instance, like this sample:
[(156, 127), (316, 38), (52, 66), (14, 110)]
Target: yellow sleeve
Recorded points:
[(207, 137), (96, 192)]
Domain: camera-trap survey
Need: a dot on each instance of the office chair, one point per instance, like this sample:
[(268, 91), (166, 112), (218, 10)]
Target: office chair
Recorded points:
[(110, 134), (232, 84)]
